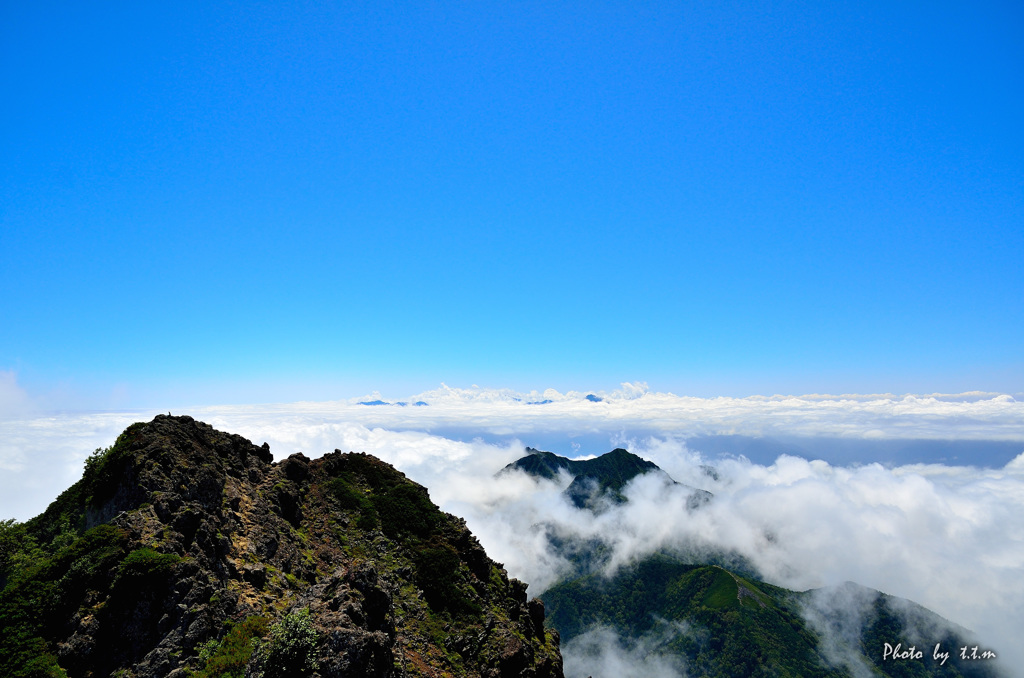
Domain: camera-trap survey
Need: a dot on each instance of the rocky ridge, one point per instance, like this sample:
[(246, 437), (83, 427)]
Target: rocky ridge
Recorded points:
[(181, 542)]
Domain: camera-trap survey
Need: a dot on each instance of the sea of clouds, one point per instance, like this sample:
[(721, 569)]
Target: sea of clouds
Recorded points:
[(950, 537)]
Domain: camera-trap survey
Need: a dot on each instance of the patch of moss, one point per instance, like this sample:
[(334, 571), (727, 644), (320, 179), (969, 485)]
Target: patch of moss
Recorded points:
[(722, 592), (437, 567), (351, 498), (144, 566), (406, 510)]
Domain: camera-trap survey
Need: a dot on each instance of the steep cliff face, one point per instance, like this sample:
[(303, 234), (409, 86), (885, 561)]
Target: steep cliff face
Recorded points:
[(184, 548)]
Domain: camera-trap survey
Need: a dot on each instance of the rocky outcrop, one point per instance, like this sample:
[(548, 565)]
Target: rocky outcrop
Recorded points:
[(181, 538)]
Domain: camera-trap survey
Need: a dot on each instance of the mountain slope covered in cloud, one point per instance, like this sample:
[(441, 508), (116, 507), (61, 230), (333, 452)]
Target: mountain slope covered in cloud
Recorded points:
[(711, 622), (694, 618)]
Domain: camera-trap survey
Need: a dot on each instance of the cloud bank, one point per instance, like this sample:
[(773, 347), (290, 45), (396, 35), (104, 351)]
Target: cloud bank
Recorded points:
[(632, 408)]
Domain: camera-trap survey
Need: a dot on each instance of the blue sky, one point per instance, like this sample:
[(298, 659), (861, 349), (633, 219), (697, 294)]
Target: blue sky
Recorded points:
[(301, 201)]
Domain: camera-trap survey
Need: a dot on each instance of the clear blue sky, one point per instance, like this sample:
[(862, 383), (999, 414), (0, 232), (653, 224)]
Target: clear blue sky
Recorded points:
[(310, 200)]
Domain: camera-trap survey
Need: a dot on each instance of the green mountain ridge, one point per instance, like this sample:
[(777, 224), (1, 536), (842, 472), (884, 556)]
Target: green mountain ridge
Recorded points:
[(184, 551), (724, 624)]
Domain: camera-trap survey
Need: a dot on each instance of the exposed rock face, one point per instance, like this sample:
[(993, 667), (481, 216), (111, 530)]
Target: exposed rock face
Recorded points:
[(192, 527)]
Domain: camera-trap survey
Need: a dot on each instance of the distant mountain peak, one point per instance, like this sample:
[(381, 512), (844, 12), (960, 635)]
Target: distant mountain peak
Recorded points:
[(599, 481)]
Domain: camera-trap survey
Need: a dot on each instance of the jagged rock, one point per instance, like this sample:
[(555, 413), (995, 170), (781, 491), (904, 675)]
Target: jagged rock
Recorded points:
[(180, 533), (536, 608)]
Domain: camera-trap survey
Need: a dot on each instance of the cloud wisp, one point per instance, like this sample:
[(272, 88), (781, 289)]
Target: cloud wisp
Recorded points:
[(601, 652)]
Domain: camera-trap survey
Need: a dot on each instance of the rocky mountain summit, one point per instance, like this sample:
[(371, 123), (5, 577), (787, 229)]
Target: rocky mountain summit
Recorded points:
[(185, 551)]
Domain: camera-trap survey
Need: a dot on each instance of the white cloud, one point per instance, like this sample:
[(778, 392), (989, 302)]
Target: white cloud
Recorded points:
[(837, 614)]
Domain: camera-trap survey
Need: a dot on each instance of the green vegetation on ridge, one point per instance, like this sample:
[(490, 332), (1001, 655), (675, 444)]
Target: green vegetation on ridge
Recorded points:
[(749, 635)]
